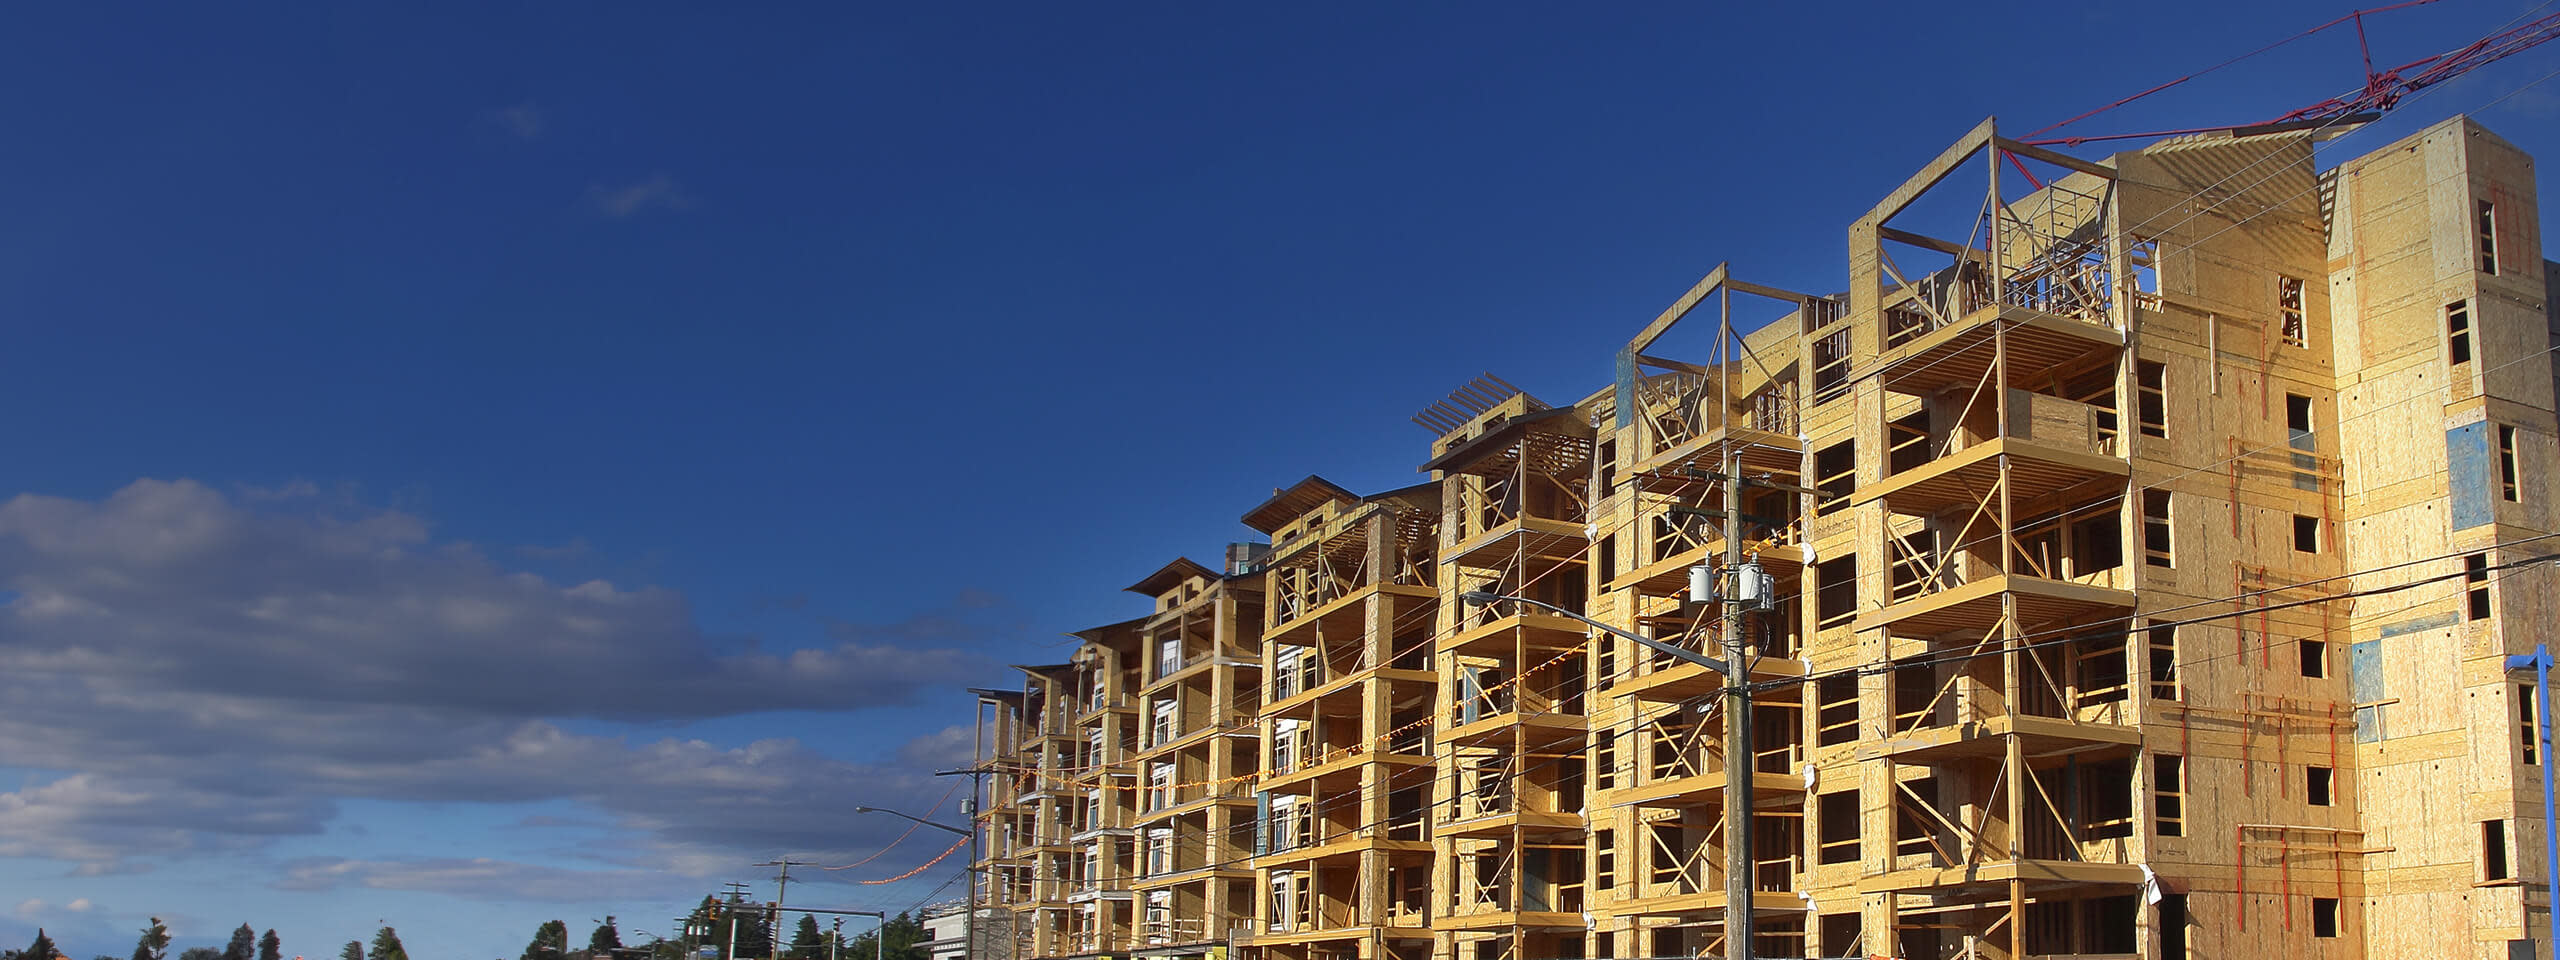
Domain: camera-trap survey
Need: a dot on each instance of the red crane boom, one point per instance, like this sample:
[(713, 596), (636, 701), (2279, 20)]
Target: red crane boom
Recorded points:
[(2383, 89)]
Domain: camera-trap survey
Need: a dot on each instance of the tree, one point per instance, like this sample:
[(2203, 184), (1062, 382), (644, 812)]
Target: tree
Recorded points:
[(200, 953), (386, 946), (154, 944), (550, 941), (270, 947), (906, 939), (42, 949), (806, 942), (607, 936), (244, 945), (354, 951)]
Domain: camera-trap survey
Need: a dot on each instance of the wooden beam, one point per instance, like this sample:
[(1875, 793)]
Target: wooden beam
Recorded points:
[(2056, 158), (1954, 156), (1682, 366), (1942, 246), (1758, 290), (1679, 308)]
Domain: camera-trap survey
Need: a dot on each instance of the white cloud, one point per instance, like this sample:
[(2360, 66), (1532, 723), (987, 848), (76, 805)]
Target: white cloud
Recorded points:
[(523, 119), (209, 676), (481, 878), (658, 192)]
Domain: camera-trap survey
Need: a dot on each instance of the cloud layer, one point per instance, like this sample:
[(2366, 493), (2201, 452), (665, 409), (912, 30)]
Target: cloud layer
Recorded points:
[(210, 673)]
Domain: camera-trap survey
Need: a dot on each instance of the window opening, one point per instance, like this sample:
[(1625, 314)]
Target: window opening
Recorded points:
[(2289, 308), (2155, 528), (2457, 332), (2169, 794), (2151, 397), (2488, 237), (2475, 585), (2508, 489)]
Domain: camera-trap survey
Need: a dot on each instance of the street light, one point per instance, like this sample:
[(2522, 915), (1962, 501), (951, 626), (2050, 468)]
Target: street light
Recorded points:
[(968, 921), (929, 823)]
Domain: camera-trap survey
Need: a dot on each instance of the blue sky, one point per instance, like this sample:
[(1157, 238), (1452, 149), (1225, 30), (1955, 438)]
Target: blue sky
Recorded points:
[(480, 464)]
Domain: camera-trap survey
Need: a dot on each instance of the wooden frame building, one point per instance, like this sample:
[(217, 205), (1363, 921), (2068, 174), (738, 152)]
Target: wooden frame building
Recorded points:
[(2126, 605)]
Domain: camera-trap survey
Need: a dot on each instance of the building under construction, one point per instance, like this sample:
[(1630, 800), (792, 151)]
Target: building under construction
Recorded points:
[(2148, 536)]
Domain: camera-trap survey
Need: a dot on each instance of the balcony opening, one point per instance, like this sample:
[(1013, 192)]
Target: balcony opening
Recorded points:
[(1915, 686), (2100, 670), (1841, 936), (2106, 792), (1915, 832), (1908, 442)]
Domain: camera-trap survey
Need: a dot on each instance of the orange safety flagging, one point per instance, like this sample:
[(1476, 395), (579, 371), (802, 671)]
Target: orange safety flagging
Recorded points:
[(2239, 879), (2284, 875), (928, 865)]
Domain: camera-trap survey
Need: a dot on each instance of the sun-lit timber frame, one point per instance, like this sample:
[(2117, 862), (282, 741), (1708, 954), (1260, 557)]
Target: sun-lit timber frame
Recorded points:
[(2073, 502)]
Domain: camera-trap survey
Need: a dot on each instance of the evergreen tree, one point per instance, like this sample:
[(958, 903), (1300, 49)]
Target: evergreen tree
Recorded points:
[(200, 953), (606, 937), (42, 949), (154, 944), (550, 941), (905, 941), (806, 942), (270, 947), (354, 951), (244, 945), (386, 946)]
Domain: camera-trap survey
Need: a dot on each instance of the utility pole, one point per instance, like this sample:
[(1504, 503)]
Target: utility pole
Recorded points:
[(781, 886), (737, 895), (1738, 761)]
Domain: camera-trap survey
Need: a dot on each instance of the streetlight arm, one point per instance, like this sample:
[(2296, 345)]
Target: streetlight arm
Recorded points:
[(1692, 656), (929, 823)]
